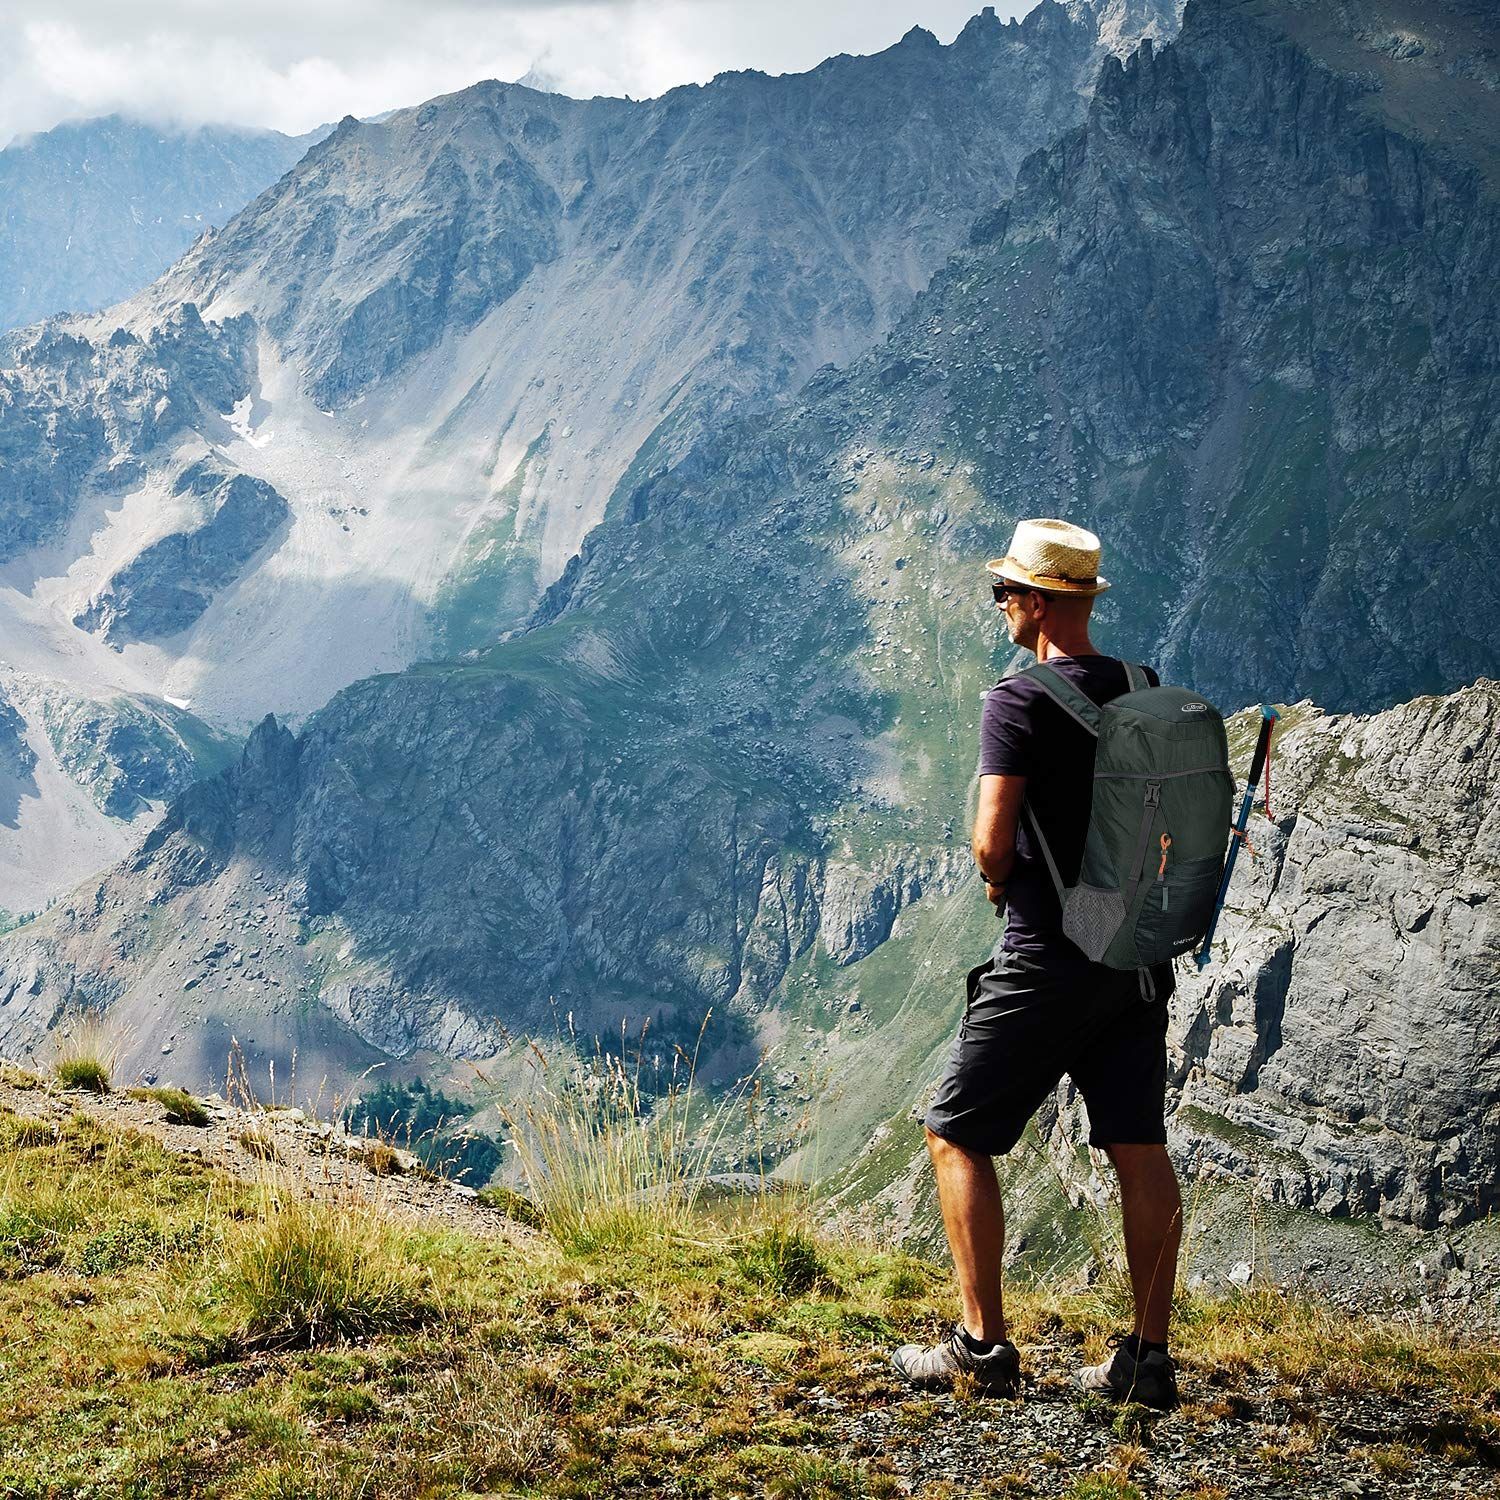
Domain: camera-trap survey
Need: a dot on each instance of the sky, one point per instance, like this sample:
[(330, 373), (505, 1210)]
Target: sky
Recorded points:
[(295, 64)]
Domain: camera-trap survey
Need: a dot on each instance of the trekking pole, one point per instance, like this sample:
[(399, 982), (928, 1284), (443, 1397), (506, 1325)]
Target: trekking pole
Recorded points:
[(1268, 718)]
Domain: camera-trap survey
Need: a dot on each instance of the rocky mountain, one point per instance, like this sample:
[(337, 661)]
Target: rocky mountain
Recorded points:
[(84, 775), (422, 361), (1346, 1046), (1239, 322), (63, 400), (94, 209)]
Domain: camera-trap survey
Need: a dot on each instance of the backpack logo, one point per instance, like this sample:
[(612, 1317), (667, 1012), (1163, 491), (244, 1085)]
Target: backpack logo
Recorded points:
[(1195, 708)]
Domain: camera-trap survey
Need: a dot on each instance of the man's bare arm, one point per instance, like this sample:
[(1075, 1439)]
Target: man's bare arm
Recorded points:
[(995, 822)]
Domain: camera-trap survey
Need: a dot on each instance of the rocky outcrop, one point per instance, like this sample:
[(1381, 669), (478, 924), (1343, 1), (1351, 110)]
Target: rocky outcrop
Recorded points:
[(16, 756), (125, 752), (1345, 1046), (169, 584), (81, 411), (861, 901)]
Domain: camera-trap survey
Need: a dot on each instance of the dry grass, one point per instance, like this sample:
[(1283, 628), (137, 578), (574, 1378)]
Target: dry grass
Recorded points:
[(304, 1272), (609, 1161), (180, 1335), (84, 1052), (1309, 1344), (19, 1132), (258, 1142), (500, 1416)]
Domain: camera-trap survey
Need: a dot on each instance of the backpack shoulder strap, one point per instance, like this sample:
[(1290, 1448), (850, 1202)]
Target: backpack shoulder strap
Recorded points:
[(1083, 710), (1135, 677), (1077, 705), (1046, 848)]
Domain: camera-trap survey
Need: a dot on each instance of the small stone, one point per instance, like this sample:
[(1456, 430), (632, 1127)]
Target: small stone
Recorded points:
[(1240, 1274)]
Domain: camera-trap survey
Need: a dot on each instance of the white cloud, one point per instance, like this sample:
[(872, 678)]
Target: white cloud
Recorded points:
[(295, 65)]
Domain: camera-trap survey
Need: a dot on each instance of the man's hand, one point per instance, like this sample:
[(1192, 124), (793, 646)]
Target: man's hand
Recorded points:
[(995, 892)]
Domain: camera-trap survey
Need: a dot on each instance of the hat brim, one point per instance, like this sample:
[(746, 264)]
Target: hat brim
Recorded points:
[(1013, 572)]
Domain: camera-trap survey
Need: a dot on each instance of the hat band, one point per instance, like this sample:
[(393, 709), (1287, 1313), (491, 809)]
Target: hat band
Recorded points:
[(1061, 578)]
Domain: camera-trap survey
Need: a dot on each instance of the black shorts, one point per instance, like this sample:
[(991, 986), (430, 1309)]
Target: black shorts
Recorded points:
[(1029, 1021)]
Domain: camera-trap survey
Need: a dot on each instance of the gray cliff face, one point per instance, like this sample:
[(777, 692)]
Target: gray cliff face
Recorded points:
[(1346, 1045), (726, 764), (95, 209), (862, 900), (167, 585), (16, 756)]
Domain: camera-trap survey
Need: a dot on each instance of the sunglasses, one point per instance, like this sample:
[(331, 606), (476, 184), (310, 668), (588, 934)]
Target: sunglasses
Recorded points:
[(1003, 591)]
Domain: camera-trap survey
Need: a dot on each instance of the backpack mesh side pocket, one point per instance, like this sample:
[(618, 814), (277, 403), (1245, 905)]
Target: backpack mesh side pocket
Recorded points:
[(1092, 916)]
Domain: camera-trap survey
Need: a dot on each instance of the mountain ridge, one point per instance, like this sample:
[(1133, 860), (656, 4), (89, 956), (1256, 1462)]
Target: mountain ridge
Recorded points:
[(440, 341)]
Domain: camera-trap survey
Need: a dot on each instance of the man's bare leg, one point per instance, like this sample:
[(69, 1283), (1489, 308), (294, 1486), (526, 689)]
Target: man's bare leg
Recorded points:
[(1151, 1206), (969, 1193)]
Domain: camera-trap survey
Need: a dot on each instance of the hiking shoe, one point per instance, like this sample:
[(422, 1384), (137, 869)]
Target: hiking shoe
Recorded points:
[(998, 1372), (1151, 1379)]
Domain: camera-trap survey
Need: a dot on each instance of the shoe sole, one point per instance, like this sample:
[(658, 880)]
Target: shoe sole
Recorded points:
[(1008, 1387), (1110, 1393)]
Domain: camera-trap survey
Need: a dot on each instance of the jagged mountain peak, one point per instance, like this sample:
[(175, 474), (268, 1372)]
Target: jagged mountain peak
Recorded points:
[(428, 354)]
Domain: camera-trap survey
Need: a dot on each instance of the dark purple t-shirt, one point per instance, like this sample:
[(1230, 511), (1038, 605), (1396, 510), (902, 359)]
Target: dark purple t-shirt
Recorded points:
[(1024, 732)]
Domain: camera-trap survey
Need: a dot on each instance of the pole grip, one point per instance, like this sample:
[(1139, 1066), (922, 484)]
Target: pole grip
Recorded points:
[(1268, 720)]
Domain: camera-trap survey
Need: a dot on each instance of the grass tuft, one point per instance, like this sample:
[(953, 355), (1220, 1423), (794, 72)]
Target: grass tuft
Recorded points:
[(610, 1162), (304, 1273), (382, 1158), (18, 1132), (815, 1477), (178, 1105), (87, 1073), (512, 1204), (1102, 1486), (783, 1257), (84, 1052), (260, 1144)]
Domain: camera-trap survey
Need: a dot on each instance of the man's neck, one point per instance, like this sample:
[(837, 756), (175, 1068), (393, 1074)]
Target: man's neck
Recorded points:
[(1048, 647)]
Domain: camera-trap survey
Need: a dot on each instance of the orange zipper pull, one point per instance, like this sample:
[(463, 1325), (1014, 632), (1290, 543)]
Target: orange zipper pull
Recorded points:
[(1166, 843)]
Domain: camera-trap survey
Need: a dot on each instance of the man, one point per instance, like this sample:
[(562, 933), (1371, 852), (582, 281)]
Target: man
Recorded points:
[(1039, 1008)]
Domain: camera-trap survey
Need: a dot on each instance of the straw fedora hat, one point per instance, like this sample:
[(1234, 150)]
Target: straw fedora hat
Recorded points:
[(1053, 556)]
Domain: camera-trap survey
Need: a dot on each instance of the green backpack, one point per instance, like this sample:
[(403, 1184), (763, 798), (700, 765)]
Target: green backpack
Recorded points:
[(1158, 827)]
